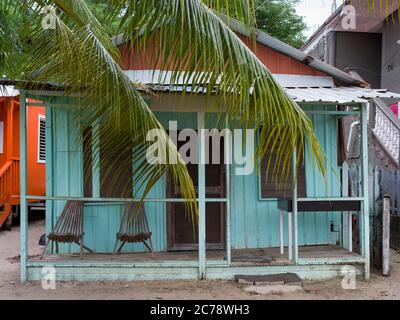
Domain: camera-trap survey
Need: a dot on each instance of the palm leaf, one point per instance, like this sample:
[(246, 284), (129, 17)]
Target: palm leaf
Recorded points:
[(196, 44), (207, 46)]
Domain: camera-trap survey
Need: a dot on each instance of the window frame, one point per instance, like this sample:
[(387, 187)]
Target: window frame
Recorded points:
[(259, 178), (40, 118)]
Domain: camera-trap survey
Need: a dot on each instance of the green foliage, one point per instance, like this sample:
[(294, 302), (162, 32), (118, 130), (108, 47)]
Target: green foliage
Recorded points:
[(278, 18), (101, 10)]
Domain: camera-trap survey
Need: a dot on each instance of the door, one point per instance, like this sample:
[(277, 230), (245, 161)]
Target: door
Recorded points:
[(182, 231)]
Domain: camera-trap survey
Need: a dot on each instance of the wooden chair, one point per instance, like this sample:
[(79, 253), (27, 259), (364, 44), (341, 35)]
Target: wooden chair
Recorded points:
[(134, 227), (68, 228)]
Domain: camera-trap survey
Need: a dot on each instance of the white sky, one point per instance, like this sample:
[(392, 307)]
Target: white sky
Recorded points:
[(315, 12)]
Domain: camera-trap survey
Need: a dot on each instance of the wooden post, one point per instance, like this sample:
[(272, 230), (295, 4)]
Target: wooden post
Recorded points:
[(49, 170), (228, 149), (386, 235), (290, 236), (202, 196), (365, 192), (23, 184), (346, 217), (281, 231), (294, 208)]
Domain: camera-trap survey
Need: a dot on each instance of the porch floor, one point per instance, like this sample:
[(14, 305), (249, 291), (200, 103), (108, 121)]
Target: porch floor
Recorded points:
[(240, 257)]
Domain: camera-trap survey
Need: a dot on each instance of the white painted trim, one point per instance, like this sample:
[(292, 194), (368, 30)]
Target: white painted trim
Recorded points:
[(40, 116)]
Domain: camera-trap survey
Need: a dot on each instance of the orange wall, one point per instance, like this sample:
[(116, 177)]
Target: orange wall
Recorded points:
[(36, 171), (3, 118)]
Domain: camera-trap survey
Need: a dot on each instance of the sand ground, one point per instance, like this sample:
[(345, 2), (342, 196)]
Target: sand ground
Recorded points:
[(377, 287)]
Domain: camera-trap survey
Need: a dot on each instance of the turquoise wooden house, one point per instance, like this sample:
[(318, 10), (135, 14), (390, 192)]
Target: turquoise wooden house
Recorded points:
[(246, 225)]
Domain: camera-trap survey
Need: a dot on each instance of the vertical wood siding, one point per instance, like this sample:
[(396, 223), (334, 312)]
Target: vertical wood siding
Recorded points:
[(254, 222), (134, 58)]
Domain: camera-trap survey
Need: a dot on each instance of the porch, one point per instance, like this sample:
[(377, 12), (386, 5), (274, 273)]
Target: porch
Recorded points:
[(184, 265), (258, 237), (239, 257)]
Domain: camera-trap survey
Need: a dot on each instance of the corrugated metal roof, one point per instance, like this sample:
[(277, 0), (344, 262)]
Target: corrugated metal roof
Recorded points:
[(339, 95), (165, 77), (8, 91), (300, 88)]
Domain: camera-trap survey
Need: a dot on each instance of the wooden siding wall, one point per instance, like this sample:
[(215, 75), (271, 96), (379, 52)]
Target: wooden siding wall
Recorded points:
[(101, 220), (279, 63), (254, 222), (134, 58)]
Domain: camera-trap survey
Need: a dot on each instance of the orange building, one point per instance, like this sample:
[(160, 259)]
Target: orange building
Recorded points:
[(9, 151)]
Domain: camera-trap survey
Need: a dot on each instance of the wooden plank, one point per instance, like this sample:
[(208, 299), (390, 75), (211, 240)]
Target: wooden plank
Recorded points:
[(386, 236), (347, 215), (127, 272), (295, 211), (320, 205)]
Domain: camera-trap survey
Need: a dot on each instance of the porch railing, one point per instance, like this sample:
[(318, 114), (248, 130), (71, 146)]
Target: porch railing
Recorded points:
[(9, 180), (385, 127)]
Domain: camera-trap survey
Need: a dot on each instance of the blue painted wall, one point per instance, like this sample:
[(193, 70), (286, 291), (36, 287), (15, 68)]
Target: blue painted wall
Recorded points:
[(254, 222)]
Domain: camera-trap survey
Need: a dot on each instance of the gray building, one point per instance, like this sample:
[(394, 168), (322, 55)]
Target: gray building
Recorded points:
[(366, 43), (372, 48)]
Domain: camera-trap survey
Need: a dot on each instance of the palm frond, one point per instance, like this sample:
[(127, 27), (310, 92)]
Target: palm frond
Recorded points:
[(75, 55), (194, 42)]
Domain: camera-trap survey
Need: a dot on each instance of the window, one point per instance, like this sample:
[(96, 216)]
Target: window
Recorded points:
[(42, 139), (275, 186), (114, 166), (87, 162)]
